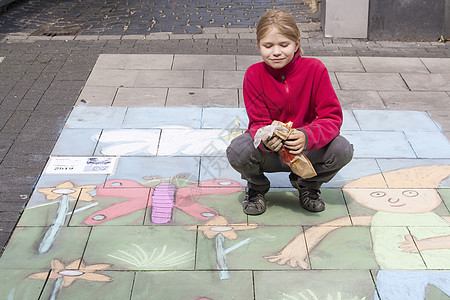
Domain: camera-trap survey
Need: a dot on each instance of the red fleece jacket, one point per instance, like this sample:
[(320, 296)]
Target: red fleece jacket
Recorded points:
[(300, 92)]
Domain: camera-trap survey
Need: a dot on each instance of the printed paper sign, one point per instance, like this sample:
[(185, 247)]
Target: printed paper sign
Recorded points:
[(81, 165)]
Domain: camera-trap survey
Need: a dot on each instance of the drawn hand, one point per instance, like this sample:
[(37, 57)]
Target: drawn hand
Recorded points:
[(294, 254), (408, 245)]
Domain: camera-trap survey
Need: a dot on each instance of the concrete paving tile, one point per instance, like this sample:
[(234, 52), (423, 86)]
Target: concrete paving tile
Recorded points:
[(225, 118), (96, 117), (173, 247), (223, 79), (437, 65), (358, 284), (77, 180), (341, 64), (119, 203), (429, 144), (427, 82), (433, 169), (279, 180), (163, 117), (202, 97), (149, 61), (250, 246), (442, 118), (438, 258), (22, 251), (109, 284), (169, 78), (76, 142), (388, 253), (140, 97), (419, 101), (127, 142), (445, 195), (97, 96), (371, 81), (218, 167), (360, 100), (393, 120), (113, 78), (349, 122), (375, 207), (192, 285), (44, 214), (284, 209), (356, 168), (393, 65), (16, 284), (145, 170), (378, 144), (245, 61), (334, 81), (343, 248), (193, 205), (211, 142), (111, 62), (204, 62)]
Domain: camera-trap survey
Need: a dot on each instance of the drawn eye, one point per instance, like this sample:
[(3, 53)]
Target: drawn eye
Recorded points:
[(410, 193), (378, 194)]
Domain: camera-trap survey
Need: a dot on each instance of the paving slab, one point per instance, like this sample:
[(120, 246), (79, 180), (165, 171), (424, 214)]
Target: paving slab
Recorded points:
[(437, 65), (224, 79), (393, 65), (97, 96), (202, 62), (160, 117), (360, 100), (427, 82), (126, 142), (96, 117), (342, 64), (371, 81), (140, 97), (113, 78), (168, 78), (395, 120), (204, 97), (429, 144), (418, 101)]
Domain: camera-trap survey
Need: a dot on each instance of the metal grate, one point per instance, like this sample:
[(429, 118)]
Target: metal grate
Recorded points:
[(56, 31)]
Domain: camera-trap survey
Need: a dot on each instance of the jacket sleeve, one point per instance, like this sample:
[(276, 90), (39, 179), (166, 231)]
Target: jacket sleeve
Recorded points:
[(257, 110), (327, 109)]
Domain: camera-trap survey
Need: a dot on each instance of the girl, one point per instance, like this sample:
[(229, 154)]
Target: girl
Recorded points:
[(287, 87)]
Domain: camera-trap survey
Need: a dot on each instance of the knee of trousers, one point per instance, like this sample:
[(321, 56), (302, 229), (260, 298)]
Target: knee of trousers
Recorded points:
[(241, 152), (342, 152)]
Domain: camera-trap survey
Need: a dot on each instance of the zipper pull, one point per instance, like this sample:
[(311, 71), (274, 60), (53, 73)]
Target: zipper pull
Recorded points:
[(283, 78)]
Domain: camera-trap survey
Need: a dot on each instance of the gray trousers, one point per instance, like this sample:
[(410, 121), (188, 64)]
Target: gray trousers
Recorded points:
[(251, 162)]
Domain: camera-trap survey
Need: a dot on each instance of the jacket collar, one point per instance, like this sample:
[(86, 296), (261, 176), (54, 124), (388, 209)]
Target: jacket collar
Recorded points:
[(281, 74)]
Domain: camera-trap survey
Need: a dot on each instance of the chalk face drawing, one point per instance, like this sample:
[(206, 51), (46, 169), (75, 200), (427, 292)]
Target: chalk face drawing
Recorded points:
[(416, 239)]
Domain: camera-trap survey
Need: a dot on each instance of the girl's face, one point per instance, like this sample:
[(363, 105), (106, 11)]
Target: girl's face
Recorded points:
[(276, 49)]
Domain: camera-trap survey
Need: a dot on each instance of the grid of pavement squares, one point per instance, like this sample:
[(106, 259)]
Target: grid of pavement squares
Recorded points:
[(166, 221)]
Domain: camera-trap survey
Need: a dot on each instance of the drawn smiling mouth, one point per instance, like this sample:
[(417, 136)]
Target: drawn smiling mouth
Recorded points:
[(398, 205)]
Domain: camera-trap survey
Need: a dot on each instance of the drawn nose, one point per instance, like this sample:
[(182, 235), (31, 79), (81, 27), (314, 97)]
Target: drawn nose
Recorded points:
[(392, 200)]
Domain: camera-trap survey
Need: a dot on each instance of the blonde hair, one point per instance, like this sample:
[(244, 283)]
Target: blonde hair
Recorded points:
[(281, 21)]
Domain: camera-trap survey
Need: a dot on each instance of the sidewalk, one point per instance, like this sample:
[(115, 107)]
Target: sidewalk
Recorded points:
[(167, 223)]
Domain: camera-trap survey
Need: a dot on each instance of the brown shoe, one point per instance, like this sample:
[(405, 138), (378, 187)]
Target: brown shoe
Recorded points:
[(254, 203), (309, 198)]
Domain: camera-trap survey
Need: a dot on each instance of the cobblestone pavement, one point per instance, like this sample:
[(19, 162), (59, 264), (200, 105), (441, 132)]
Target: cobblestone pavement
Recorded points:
[(142, 16), (42, 76)]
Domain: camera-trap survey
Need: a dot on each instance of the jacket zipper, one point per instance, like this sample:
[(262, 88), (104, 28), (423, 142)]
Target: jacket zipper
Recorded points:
[(286, 86)]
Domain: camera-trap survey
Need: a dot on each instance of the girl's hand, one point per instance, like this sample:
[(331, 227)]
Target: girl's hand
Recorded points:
[(273, 144), (296, 142)]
